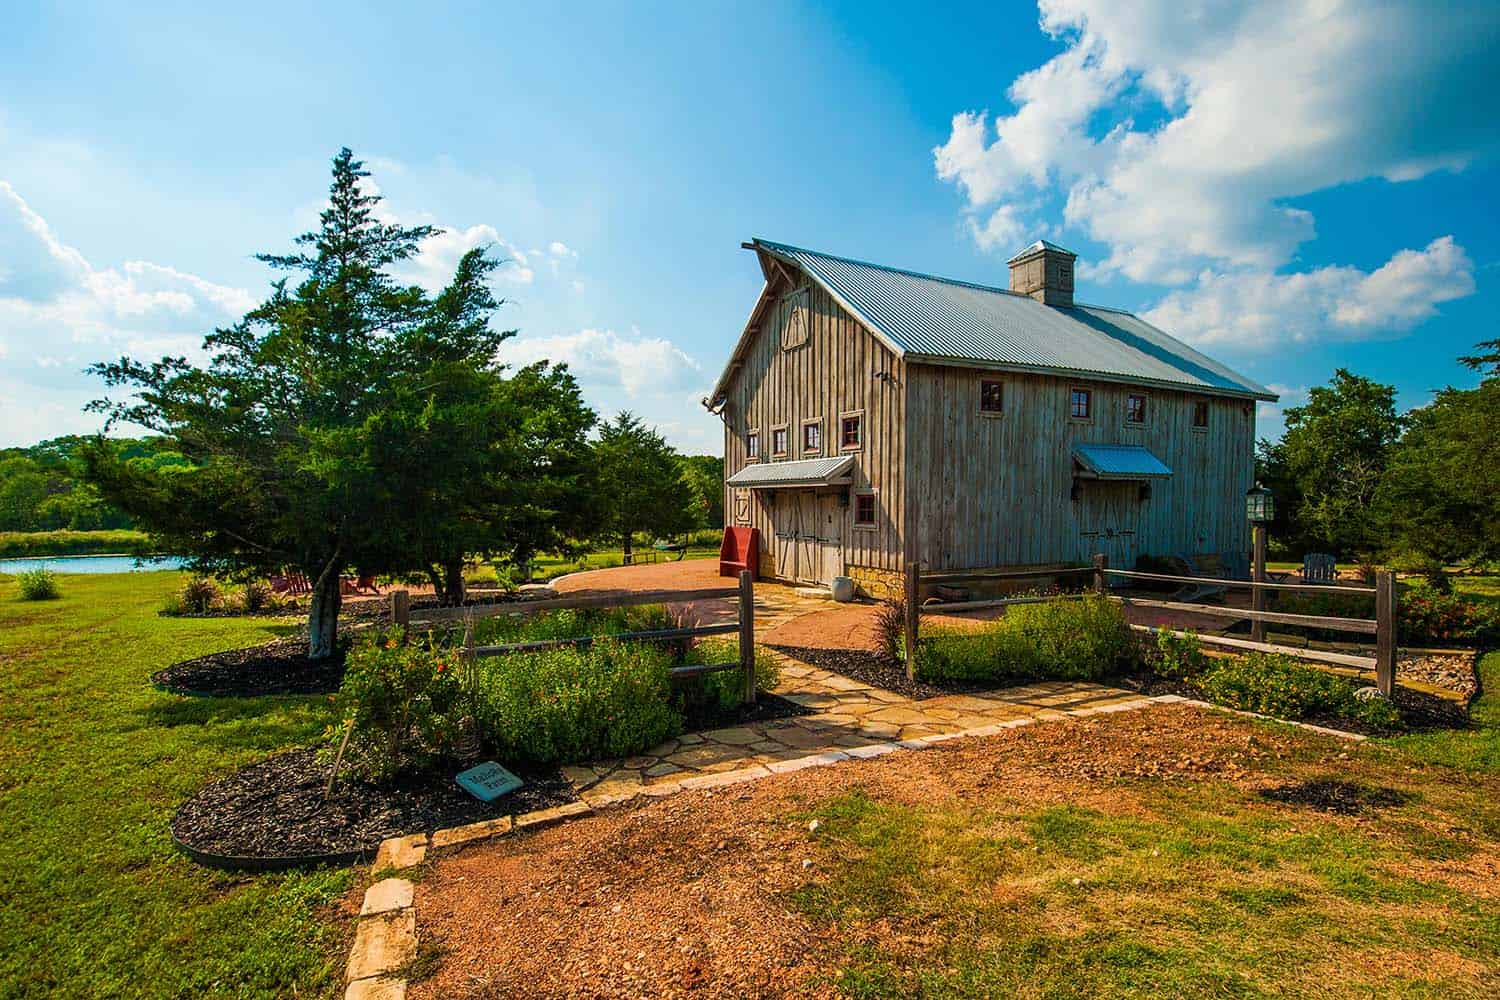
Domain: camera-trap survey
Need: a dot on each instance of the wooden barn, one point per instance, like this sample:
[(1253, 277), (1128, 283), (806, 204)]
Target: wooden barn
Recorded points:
[(874, 416)]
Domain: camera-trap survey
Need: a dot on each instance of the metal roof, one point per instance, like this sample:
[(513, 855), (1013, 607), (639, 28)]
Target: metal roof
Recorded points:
[(807, 472), (1120, 461), (943, 321)]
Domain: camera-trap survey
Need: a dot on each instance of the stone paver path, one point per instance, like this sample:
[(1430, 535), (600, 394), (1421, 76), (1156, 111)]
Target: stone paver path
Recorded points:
[(847, 714)]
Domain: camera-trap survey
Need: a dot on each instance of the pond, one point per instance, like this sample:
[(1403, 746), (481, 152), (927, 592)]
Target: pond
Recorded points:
[(90, 564)]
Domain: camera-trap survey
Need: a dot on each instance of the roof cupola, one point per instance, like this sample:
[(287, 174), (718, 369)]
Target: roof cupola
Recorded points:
[(1044, 271)]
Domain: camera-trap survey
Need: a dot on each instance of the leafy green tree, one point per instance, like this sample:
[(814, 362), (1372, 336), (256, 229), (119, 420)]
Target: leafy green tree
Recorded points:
[(640, 484), (1327, 467), (705, 477), (1439, 492), (280, 422)]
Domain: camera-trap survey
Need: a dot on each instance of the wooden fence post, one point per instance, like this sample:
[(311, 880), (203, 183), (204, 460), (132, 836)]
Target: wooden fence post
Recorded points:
[(1258, 575), (913, 616), (401, 608), (747, 634), (1385, 631), (1101, 563)]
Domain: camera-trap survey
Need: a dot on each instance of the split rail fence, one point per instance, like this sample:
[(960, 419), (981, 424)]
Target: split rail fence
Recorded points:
[(402, 614), (1382, 626)]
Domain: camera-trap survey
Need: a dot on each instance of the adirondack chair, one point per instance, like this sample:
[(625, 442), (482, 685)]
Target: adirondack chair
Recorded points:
[(1195, 593), (1319, 567)]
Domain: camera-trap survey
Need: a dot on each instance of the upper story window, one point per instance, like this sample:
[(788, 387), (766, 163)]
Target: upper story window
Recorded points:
[(752, 444), (991, 396), (864, 510), (778, 440), (812, 436), (1200, 414), (851, 430), (1081, 404), (1135, 409)]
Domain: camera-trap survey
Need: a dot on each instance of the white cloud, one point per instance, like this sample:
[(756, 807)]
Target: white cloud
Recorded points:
[(1244, 106), (59, 313), (1257, 310), (640, 366)]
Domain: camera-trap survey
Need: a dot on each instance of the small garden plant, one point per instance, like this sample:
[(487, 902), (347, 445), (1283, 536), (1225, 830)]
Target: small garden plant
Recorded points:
[(38, 584)]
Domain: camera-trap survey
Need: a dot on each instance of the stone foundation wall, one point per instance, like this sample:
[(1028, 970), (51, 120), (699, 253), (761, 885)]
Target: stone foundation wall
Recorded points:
[(881, 584)]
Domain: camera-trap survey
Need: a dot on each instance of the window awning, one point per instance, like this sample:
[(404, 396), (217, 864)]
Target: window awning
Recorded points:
[(807, 473), (1119, 461)]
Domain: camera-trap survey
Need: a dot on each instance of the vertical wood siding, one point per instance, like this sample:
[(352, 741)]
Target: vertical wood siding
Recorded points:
[(995, 491), (831, 374)]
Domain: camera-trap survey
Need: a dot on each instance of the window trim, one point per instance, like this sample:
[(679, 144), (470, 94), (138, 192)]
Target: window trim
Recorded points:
[(1089, 417), (1193, 418), (753, 454), (979, 403), (852, 415), (802, 436), (783, 429), (874, 523), (1145, 398)]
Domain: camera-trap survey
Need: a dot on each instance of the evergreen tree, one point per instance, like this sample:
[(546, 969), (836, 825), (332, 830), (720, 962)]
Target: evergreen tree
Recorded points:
[(641, 489)]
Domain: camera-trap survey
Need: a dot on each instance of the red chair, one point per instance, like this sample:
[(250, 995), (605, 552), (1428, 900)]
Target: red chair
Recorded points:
[(740, 551)]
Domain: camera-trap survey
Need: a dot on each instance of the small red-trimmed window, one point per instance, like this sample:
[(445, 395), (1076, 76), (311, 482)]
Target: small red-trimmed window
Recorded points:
[(1200, 414), (752, 444), (778, 441), (1135, 409), (864, 510), (1082, 404), (851, 431), (812, 436), (991, 396)]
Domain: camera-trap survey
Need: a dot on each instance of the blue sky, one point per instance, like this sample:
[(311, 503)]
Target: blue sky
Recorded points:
[(1290, 186)]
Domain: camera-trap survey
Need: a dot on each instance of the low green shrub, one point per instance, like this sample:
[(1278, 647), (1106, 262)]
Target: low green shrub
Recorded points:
[(198, 596), (564, 705), (38, 584), (1176, 657), (1278, 685), (1431, 570), (1071, 639), (723, 691), (257, 597)]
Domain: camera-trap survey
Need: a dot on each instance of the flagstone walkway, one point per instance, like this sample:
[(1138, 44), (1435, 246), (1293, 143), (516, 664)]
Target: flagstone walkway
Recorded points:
[(850, 718)]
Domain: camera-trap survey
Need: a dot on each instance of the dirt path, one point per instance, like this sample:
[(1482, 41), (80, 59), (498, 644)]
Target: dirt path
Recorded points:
[(715, 893)]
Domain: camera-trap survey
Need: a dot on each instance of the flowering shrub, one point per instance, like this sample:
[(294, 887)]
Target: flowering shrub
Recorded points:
[(403, 702), (199, 595), (38, 584), (1429, 617)]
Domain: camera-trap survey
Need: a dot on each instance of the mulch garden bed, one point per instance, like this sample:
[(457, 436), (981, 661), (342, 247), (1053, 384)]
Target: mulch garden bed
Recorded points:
[(272, 815), (277, 667), (766, 708)]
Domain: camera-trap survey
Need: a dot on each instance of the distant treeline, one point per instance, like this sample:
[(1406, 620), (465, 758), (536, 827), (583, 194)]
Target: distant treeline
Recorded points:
[(42, 489), (20, 544)]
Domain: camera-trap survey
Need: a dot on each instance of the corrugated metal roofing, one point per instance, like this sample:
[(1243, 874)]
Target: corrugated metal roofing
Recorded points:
[(1120, 461), (807, 472), (941, 320)]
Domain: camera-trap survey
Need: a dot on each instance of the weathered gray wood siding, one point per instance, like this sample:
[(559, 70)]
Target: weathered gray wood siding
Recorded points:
[(995, 491), (833, 373)]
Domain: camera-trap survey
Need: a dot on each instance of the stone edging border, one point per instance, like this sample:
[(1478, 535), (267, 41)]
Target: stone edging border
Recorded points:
[(385, 939)]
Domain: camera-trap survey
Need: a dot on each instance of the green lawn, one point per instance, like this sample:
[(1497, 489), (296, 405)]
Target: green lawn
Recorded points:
[(1132, 884), (93, 761)]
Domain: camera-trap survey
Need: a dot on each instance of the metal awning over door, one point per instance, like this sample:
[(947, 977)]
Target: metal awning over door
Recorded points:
[(808, 473)]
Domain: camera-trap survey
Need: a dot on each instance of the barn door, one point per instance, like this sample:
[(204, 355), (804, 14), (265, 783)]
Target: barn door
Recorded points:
[(784, 517), (809, 556), (1108, 516), (830, 538)]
